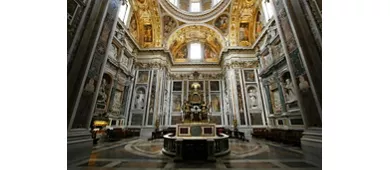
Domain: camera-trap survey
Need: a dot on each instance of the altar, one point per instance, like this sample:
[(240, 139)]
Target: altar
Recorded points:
[(196, 137)]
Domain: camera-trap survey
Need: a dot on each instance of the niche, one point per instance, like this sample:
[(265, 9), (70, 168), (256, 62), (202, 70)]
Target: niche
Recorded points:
[(104, 92), (289, 93), (253, 102), (139, 100)]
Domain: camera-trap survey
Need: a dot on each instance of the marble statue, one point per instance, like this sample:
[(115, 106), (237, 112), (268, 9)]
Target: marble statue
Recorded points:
[(253, 99), (303, 84), (113, 50), (90, 87), (290, 94), (191, 77), (215, 104), (177, 105), (140, 100), (200, 77), (102, 93)]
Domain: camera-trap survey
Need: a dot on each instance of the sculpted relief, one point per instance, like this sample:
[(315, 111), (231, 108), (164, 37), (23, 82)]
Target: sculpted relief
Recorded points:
[(140, 99), (253, 99)]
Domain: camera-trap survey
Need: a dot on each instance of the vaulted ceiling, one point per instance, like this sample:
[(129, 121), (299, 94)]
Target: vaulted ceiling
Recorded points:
[(229, 23)]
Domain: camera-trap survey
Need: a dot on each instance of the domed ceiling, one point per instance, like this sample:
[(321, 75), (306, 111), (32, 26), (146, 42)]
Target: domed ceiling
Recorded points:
[(226, 24)]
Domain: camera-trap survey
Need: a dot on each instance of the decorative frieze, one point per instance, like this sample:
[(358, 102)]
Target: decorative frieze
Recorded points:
[(241, 64), (153, 65), (200, 76)]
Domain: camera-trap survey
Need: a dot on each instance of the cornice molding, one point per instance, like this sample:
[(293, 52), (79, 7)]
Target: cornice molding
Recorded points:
[(188, 17)]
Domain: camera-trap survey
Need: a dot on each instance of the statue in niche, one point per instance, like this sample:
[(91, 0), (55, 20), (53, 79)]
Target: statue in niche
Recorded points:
[(185, 108), (102, 97), (177, 104), (215, 104), (113, 51), (303, 84), (290, 94), (191, 77), (200, 76), (252, 98), (119, 34), (140, 100), (117, 100)]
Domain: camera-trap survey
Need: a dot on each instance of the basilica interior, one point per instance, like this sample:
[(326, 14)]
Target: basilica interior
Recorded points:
[(207, 84)]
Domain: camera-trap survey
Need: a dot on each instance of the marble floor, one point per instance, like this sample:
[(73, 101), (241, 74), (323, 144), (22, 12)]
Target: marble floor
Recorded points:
[(136, 153)]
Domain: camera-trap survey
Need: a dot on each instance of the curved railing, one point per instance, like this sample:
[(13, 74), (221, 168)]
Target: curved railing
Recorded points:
[(221, 144)]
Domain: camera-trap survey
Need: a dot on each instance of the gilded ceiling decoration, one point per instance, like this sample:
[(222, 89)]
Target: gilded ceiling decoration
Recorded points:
[(145, 25), (243, 18), (210, 37), (183, 15), (169, 24), (234, 23), (222, 22)]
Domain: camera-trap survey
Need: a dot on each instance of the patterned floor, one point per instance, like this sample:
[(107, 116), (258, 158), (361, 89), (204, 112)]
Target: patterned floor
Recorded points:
[(138, 153)]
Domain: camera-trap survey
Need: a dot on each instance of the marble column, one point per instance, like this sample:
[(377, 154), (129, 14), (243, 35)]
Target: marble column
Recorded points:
[(167, 99), (130, 92), (305, 66), (127, 98), (308, 38), (232, 94), (85, 74)]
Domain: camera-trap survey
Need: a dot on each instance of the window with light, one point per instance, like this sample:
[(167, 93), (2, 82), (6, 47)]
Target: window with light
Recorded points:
[(215, 2), (195, 51), (174, 2), (195, 6), (124, 12), (268, 11)]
